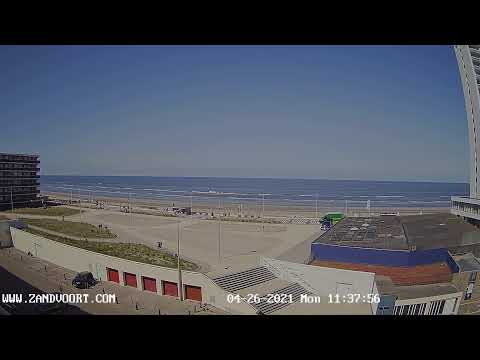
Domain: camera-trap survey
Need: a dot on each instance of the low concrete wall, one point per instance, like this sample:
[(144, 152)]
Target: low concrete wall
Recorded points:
[(323, 281), (78, 259)]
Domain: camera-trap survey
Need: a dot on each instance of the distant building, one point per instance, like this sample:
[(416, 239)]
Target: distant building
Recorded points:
[(19, 180), (468, 57)]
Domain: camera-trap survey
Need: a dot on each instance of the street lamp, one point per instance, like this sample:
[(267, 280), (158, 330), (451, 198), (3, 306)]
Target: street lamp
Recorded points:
[(11, 196), (130, 208), (178, 263), (191, 202), (263, 212), (219, 229)]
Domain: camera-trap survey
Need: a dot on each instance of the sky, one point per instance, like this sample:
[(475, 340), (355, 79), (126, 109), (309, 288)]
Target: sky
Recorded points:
[(325, 112)]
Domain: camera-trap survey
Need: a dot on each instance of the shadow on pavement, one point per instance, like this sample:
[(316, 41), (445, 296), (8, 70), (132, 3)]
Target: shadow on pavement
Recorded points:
[(13, 285)]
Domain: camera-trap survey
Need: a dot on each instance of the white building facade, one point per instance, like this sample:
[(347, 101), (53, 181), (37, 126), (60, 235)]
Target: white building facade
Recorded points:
[(468, 58)]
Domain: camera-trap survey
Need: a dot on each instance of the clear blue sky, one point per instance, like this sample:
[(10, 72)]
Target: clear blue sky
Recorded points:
[(333, 112)]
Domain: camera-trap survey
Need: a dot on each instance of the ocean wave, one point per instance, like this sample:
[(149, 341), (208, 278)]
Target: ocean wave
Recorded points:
[(244, 198), (429, 202), (389, 196)]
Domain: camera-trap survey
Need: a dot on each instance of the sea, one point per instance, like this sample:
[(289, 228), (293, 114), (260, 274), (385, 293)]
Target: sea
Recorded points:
[(287, 192)]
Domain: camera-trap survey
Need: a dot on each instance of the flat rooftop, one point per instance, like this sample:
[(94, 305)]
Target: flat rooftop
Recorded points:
[(467, 263), (385, 286), (431, 231), (381, 232), (443, 230)]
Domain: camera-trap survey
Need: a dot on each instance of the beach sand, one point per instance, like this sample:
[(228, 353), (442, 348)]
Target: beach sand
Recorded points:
[(250, 210)]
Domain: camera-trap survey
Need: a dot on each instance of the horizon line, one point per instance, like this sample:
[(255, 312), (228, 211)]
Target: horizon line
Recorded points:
[(265, 177)]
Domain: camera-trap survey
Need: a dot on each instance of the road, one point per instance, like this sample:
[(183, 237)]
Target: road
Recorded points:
[(11, 284), (23, 274)]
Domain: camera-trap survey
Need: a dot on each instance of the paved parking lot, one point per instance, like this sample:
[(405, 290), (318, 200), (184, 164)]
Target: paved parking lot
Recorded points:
[(49, 278)]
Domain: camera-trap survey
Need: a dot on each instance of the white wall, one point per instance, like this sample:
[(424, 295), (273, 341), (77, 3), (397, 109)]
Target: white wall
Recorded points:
[(323, 281), (78, 259), (472, 107), (430, 299)]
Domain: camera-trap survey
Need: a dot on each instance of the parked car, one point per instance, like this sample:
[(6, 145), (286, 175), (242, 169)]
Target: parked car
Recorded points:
[(83, 280)]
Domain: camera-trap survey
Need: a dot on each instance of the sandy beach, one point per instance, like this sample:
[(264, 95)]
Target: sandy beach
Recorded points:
[(247, 210)]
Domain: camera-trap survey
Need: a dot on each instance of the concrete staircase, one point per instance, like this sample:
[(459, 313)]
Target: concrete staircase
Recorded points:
[(244, 279), (261, 281), (293, 289)]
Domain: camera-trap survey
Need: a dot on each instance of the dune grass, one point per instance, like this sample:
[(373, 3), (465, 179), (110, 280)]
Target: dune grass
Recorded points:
[(49, 211), (134, 252), (71, 228)]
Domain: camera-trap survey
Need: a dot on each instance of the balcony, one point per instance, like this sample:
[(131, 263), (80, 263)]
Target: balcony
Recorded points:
[(20, 177), (13, 182), (14, 166), (16, 159), (475, 52)]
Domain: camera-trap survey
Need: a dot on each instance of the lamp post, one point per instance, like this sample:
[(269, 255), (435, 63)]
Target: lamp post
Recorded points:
[(130, 209), (263, 211), (316, 206), (179, 287), (11, 196), (80, 206), (219, 230), (191, 202)]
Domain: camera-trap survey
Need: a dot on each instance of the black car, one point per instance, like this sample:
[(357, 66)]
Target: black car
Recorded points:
[(84, 280)]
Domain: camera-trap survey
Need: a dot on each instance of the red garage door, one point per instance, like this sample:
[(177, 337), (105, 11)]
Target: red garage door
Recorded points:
[(130, 280), (170, 288), (112, 275), (193, 293), (149, 284)]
